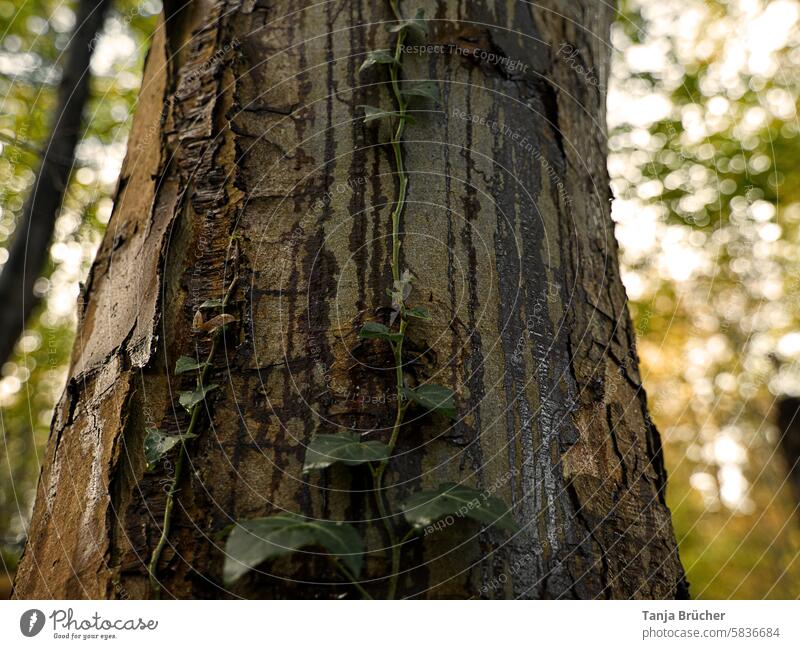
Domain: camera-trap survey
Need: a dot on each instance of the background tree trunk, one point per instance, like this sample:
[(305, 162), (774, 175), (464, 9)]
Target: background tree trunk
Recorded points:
[(30, 247), (247, 118), (788, 421)]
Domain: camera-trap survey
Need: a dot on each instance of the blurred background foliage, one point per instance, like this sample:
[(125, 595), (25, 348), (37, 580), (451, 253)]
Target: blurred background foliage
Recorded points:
[(705, 162), (33, 36)]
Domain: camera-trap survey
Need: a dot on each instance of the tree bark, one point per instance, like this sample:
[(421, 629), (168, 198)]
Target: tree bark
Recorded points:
[(248, 159)]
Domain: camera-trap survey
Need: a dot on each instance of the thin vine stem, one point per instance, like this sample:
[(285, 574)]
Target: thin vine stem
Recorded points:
[(152, 567), (397, 347), (351, 578), (409, 535), (397, 149)]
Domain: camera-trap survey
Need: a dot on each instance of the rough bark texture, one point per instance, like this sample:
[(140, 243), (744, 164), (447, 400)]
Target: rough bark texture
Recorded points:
[(247, 117)]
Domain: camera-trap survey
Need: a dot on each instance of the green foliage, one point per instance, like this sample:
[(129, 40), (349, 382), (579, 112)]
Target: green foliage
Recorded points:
[(190, 398), (428, 507), (727, 553), (426, 89), (433, 398), (373, 114), (716, 170), (187, 364), (372, 330), (255, 541), (346, 448), (378, 57), (158, 444), (35, 35), (418, 312), (416, 26)]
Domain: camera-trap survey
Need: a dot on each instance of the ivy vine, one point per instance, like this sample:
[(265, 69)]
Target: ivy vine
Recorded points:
[(157, 444), (255, 541), (252, 542)]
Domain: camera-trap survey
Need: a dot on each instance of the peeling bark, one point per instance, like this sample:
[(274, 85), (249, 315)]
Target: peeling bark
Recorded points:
[(247, 121)]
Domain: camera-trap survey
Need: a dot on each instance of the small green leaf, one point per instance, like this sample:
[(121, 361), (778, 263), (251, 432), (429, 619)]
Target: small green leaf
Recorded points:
[(186, 364), (416, 25), (427, 89), (212, 304), (191, 398), (378, 57), (421, 313), (428, 507), (253, 542), (157, 445), (347, 448), (436, 398), (372, 114), (378, 330)]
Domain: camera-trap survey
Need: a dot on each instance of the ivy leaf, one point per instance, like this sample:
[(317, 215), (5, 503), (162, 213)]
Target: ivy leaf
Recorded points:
[(416, 25), (436, 398), (378, 57), (449, 499), (212, 304), (428, 89), (325, 450), (377, 330), (186, 364), (253, 542), (158, 444), (373, 114), (191, 398), (419, 312)]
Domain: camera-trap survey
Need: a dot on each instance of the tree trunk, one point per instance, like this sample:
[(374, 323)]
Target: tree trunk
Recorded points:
[(249, 163)]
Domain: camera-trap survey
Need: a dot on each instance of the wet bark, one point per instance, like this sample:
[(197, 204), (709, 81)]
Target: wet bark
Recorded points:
[(247, 138)]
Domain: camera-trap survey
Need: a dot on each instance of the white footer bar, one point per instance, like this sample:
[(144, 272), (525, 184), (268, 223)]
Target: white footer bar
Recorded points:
[(401, 625)]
